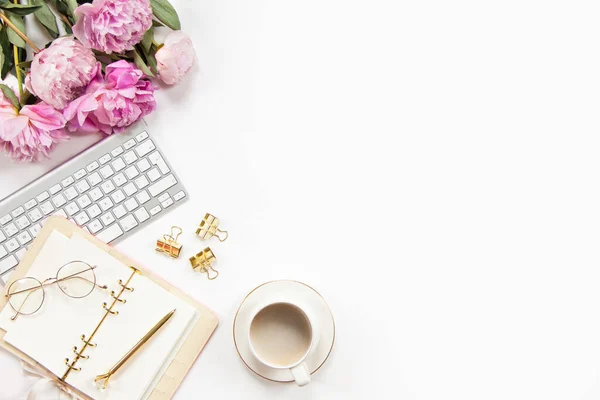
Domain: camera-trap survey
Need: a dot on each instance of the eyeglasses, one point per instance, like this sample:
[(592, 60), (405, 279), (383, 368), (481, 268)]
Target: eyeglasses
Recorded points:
[(76, 279)]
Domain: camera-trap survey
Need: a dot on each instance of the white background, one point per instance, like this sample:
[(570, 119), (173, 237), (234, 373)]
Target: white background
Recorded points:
[(431, 167)]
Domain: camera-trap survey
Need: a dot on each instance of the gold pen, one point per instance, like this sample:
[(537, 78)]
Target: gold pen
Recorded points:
[(123, 360)]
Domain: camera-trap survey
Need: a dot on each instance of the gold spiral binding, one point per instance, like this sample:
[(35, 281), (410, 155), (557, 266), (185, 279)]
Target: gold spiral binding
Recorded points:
[(72, 365), (109, 310), (90, 344), (79, 353), (112, 294), (124, 286)]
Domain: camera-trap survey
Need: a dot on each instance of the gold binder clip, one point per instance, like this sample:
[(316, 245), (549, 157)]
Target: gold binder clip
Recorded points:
[(209, 227), (168, 244), (202, 262)]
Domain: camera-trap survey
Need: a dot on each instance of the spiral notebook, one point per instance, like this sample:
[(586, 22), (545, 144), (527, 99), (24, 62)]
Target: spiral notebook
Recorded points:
[(77, 339)]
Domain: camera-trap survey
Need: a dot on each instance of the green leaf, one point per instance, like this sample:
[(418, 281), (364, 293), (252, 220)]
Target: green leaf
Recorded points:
[(10, 95), (141, 64), (19, 9), (147, 39), (156, 22), (46, 17), (6, 51), (165, 13), (25, 64), (20, 24), (24, 98)]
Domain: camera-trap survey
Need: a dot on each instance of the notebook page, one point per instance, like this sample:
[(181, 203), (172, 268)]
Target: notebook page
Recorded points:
[(49, 335)]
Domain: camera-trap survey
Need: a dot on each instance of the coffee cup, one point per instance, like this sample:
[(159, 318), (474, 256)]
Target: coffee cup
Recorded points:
[(281, 336)]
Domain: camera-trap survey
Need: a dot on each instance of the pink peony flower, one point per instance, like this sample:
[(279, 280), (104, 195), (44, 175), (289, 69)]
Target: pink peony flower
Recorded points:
[(176, 58), (112, 25), (113, 103), (61, 72), (28, 135)]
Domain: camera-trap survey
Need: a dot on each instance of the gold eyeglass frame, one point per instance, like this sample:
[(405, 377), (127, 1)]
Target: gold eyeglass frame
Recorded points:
[(48, 282)]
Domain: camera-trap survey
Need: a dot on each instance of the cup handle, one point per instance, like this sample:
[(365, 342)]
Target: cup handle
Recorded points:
[(301, 374)]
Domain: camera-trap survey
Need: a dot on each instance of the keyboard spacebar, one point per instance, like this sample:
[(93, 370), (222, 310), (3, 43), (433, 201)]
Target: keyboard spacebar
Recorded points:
[(7, 264), (110, 234)]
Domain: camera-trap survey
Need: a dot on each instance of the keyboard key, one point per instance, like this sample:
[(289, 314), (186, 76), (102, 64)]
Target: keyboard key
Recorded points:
[(141, 136), (132, 172), (85, 228), (145, 148), (80, 174), (84, 201), (55, 189), (143, 165), (120, 180), (11, 229), (107, 171), (72, 209), (156, 159), (3, 251), (35, 215), (130, 157), (82, 186), (142, 182), (128, 223), (59, 200), (130, 189), (60, 213), (68, 181), (30, 204), (7, 264), (167, 203), (141, 214), (106, 203), (94, 226), (23, 222), (131, 204), (118, 196), (163, 197), (46, 208), (153, 174), (35, 229), (155, 210), (117, 151), (24, 238), (82, 218), (119, 211), (71, 193), (129, 144), (179, 195), (18, 212), (93, 166), (94, 179), (41, 197), (5, 219), (21, 253), (107, 186), (143, 197), (107, 218), (104, 159), (2, 237), (96, 194), (118, 164), (162, 185), (12, 245), (94, 211), (110, 234)]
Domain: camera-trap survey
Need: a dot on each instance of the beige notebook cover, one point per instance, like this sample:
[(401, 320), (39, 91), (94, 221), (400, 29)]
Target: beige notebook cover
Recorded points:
[(199, 334)]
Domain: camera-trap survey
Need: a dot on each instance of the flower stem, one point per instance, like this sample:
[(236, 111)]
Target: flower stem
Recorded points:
[(19, 77), (18, 32)]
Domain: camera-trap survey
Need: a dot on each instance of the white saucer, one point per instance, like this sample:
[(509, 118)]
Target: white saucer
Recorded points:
[(292, 291)]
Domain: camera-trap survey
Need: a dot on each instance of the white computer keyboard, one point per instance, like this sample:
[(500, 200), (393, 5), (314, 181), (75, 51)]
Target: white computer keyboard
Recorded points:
[(110, 190)]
